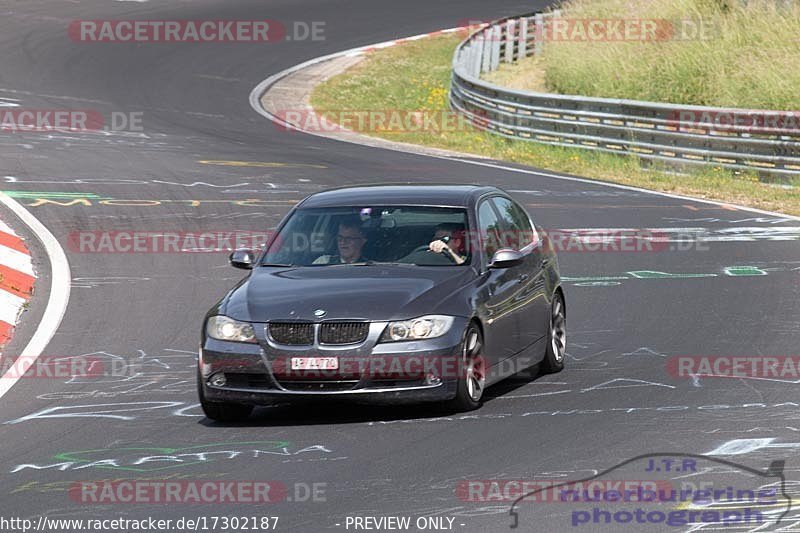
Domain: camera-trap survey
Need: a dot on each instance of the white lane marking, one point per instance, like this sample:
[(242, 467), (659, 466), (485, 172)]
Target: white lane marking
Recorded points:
[(743, 446), (10, 304), (56, 303), (16, 260), (260, 89)]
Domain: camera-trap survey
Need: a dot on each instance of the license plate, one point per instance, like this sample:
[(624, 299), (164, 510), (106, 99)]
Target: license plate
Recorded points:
[(315, 363)]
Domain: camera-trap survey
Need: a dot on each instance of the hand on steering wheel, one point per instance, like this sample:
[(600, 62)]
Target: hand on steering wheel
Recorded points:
[(439, 246)]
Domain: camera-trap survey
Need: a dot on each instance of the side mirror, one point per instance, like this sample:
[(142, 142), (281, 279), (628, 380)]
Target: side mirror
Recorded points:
[(506, 258), (243, 259)]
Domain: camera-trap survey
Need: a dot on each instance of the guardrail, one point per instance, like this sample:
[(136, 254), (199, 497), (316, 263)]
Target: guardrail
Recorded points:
[(767, 142)]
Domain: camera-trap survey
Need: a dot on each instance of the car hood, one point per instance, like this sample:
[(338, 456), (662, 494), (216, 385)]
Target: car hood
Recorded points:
[(376, 292)]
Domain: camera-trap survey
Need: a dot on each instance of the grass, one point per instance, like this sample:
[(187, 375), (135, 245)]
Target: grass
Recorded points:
[(527, 75), (415, 76), (747, 54)]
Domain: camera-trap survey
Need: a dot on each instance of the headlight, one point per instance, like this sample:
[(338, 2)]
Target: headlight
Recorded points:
[(424, 327), (223, 328)]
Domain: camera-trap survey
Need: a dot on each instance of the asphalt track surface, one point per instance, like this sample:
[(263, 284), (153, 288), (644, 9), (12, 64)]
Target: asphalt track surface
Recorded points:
[(615, 399)]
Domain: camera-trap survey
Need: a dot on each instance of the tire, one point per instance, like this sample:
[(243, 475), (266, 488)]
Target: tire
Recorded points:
[(472, 384), (222, 411), (556, 337)]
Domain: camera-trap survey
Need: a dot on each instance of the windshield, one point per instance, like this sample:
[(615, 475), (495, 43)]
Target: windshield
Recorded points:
[(359, 235)]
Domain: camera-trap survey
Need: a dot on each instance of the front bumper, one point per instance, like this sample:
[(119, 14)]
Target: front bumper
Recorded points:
[(396, 372)]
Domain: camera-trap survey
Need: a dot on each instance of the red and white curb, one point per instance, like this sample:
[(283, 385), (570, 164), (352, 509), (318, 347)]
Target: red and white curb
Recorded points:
[(387, 44), (15, 258), (16, 280)]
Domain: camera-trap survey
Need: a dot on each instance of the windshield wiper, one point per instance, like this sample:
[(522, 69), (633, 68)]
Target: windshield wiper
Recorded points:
[(284, 265), (374, 263), (357, 263)]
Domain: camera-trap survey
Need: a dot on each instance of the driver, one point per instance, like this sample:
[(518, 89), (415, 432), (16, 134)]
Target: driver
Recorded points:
[(448, 239), (350, 240)]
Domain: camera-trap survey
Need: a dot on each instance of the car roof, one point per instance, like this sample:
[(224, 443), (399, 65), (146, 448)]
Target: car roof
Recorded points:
[(399, 194)]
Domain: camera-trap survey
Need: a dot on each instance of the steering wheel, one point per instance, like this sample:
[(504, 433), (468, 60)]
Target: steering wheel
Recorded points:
[(425, 248)]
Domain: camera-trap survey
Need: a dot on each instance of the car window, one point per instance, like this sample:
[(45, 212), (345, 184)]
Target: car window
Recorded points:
[(489, 227), (517, 229)]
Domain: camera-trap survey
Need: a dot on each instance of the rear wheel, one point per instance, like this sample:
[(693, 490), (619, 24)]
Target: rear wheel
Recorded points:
[(473, 371), (222, 411), (556, 336)]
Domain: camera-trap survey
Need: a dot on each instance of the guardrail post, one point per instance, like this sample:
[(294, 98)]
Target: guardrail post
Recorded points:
[(477, 49), (465, 59), (486, 50), (509, 40), (523, 38), (497, 35), (538, 39)]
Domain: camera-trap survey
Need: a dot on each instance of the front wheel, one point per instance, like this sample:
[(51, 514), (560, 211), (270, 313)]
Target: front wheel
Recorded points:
[(472, 380), (556, 336), (222, 411)]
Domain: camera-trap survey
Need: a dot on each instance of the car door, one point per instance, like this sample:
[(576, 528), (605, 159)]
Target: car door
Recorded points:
[(499, 288), (531, 308)]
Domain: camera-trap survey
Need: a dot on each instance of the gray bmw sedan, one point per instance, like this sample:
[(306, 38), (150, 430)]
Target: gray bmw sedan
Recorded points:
[(386, 292)]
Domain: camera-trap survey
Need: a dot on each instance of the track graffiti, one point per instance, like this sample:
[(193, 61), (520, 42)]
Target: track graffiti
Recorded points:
[(156, 458), (263, 186), (94, 201), (64, 486), (728, 271), (168, 372), (756, 408)]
